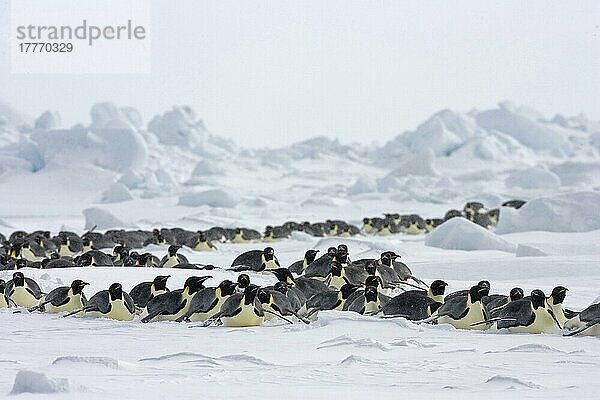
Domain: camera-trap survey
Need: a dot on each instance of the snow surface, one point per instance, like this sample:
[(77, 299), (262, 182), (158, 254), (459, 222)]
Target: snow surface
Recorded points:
[(54, 177)]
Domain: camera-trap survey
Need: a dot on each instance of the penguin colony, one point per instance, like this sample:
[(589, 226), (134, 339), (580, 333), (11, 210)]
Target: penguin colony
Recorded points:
[(67, 249), (383, 287)]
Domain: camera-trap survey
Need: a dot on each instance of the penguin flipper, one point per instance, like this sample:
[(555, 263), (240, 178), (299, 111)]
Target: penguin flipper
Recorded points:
[(278, 315)]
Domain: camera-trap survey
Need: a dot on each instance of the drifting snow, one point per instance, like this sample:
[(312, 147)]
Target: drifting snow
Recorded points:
[(462, 234), (573, 212)]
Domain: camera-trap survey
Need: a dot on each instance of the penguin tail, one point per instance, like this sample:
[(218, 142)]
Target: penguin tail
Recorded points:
[(583, 328)]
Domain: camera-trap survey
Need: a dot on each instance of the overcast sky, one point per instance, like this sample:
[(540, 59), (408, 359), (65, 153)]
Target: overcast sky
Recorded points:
[(275, 72)]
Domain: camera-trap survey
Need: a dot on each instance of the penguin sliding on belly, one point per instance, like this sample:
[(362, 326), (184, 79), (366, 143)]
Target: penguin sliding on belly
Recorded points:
[(23, 292), (463, 312), (208, 301), (5, 302), (113, 303), (256, 260), (64, 298), (586, 323), (172, 305), (143, 292), (172, 258), (241, 309)]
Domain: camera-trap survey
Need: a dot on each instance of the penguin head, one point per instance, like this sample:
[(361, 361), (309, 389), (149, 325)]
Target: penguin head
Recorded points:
[(342, 249), (201, 236), (347, 289), (129, 261), (310, 255), (135, 255), (372, 281), (195, 283), (371, 268), (268, 253), (227, 287), (243, 281), (250, 294), (494, 213), (20, 263), (77, 286), (485, 286), (385, 259), (366, 221), (516, 294), (336, 268), (160, 282), (438, 287), (371, 294), (44, 263), (115, 291), (476, 293), (281, 287), (283, 275), (2, 286), (87, 242), (538, 299), (15, 250), (264, 296), (558, 295), (173, 250), (331, 252)]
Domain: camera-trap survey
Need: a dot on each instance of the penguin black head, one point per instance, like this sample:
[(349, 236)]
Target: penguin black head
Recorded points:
[(342, 249), (201, 236), (336, 268), (477, 292), (227, 287), (269, 253), (538, 299), (366, 221), (331, 252), (281, 287), (2, 286), (283, 275), (129, 261), (115, 291), (310, 255), (173, 250), (160, 282), (250, 294), (243, 281), (135, 255), (438, 287), (516, 294), (264, 296), (15, 249), (386, 259), (195, 283), (77, 286), (371, 294), (372, 281), (347, 289), (558, 295), (485, 286), (20, 263), (371, 268), (86, 241)]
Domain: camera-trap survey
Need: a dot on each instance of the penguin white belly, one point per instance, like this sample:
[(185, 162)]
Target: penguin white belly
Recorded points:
[(201, 317), (246, 317), (64, 251), (337, 282), (367, 228), (73, 304), (3, 302), (344, 234), (574, 323), (29, 256), (559, 314), (202, 246), (384, 232), (171, 262), (119, 311), (372, 307), (414, 230), (271, 264), (23, 298), (238, 238), (269, 239), (474, 315), (544, 323)]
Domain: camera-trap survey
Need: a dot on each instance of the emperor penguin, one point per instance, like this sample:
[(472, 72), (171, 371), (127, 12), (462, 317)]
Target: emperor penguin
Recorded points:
[(64, 298), (173, 258), (67, 248), (472, 208), (368, 303), (171, 306), (276, 304), (143, 292), (299, 266), (337, 276), (5, 302), (483, 284), (432, 223), (295, 297), (319, 269), (301, 287), (242, 309), (31, 251), (555, 301), (256, 260), (330, 300), (95, 258), (367, 225), (494, 303), (493, 216), (413, 305), (414, 225), (113, 303), (463, 312), (244, 235), (88, 244), (532, 315), (208, 301), (23, 292), (586, 323), (516, 204), (243, 281), (199, 242)]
